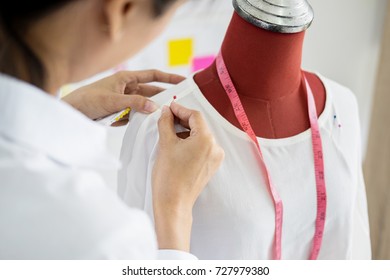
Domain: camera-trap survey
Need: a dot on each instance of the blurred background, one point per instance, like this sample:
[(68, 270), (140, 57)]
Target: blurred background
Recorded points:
[(348, 42)]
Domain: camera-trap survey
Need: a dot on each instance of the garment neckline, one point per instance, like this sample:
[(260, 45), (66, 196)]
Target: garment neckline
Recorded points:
[(263, 141)]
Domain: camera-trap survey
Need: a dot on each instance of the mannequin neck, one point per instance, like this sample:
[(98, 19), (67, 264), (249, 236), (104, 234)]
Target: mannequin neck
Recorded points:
[(259, 60)]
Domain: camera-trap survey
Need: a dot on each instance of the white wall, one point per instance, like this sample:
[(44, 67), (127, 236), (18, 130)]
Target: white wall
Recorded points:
[(344, 44)]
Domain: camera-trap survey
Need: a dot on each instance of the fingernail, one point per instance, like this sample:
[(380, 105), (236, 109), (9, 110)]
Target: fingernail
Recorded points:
[(150, 106), (164, 109)]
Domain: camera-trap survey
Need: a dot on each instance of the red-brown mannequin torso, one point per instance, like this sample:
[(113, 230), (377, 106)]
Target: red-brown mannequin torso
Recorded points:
[(265, 68)]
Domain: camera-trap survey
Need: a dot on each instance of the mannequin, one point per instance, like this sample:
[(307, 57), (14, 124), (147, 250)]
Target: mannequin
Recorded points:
[(265, 67), (234, 218)]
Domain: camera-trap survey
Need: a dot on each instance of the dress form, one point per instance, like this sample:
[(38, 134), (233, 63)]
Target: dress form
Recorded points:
[(264, 62)]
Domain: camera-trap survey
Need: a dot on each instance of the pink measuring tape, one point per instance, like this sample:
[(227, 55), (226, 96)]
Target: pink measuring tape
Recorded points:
[(318, 161)]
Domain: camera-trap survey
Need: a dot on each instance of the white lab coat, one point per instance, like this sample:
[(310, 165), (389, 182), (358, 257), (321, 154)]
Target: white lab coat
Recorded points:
[(53, 203)]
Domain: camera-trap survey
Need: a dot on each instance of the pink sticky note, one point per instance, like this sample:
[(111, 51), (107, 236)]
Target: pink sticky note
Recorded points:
[(202, 62)]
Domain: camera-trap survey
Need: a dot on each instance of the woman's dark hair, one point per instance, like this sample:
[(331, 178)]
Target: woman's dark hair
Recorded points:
[(14, 20), (161, 5)]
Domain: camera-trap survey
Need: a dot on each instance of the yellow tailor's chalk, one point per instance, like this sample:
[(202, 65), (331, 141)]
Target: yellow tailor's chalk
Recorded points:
[(115, 117), (122, 114)]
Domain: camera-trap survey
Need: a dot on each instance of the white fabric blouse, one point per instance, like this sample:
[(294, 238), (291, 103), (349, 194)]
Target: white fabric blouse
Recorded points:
[(234, 216), (53, 202)]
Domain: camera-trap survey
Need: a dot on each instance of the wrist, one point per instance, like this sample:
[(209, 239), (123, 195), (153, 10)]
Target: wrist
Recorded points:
[(173, 228), (78, 99), (73, 99)]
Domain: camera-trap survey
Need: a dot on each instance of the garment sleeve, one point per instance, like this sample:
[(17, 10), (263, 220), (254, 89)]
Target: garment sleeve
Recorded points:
[(137, 158), (175, 255), (361, 242), (134, 178)]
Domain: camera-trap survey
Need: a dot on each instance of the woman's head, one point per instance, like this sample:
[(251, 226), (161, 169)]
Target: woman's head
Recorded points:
[(42, 39)]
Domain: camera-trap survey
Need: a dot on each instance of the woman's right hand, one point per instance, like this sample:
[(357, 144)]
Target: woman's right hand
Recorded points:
[(183, 168)]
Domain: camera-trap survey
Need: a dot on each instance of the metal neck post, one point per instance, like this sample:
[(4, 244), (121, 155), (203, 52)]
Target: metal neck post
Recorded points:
[(283, 16)]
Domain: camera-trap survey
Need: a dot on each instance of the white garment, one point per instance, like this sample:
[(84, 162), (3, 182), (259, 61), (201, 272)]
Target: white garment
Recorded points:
[(234, 216), (53, 203)]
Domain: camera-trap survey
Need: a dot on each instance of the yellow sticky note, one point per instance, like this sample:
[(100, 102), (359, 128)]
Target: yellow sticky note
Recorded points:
[(180, 52)]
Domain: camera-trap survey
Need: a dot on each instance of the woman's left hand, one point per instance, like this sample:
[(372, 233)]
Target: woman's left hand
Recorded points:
[(120, 91)]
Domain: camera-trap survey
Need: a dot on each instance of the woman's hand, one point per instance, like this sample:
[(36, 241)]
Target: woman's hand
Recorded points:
[(183, 168), (120, 91)]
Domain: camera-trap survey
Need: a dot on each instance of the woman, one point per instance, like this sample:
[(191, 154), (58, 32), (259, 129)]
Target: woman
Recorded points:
[(53, 203)]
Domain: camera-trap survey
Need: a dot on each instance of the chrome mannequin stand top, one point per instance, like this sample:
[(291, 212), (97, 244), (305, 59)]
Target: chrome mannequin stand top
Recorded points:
[(283, 16)]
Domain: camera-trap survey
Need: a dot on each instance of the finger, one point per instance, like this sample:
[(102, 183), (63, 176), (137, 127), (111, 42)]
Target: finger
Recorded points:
[(166, 128), (148, 76), (135, 102), (190, 119), (146, 90)]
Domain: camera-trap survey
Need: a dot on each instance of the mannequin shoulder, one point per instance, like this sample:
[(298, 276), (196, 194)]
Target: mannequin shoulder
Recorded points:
[(341, 97)]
